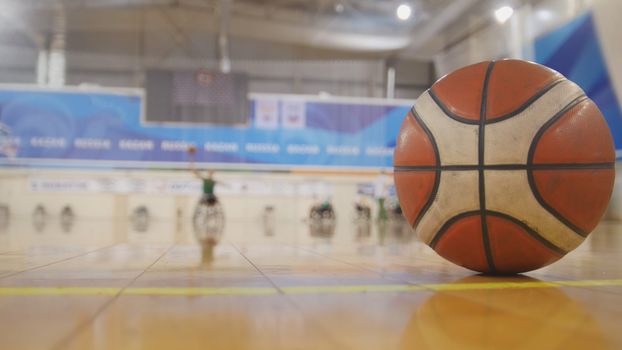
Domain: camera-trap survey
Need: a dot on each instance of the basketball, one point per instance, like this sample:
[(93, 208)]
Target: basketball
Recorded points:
[(504, 167), (192, 150)]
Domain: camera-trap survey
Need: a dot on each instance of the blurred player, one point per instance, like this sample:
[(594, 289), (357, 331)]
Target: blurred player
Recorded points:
[(361, 209), (208, 218), (381, 188), (209, 184)]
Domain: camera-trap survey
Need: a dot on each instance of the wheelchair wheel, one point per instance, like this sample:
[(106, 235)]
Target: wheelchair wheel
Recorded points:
[(208, 221)]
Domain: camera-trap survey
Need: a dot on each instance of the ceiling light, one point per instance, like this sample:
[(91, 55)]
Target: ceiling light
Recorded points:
[(544, 15), (403, 12), (504, 13), (339, 7)]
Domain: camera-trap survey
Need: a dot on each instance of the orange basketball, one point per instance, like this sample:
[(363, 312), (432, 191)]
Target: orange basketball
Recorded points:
[(504, 167), (192, 150)]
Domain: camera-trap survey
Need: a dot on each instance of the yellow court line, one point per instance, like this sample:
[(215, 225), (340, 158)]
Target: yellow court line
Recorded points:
[(590, 283), (27, 291), (200, 291), (353, 289), (491, 285), (337, 289)]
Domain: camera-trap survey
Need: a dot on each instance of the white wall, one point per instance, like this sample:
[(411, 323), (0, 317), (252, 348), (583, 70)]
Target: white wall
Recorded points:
[(607, 19), (615, 204), (15, 191)]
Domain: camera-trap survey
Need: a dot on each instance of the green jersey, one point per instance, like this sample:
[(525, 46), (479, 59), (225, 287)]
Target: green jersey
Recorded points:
[(382, 211), (208, 186)]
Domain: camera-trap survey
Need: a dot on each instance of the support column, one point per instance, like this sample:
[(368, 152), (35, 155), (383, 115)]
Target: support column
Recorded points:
[(223, 36), (390, 78), (57, 60), (42, 67)]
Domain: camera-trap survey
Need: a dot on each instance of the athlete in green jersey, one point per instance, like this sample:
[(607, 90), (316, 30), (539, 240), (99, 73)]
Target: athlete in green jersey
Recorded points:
[(209, 184)]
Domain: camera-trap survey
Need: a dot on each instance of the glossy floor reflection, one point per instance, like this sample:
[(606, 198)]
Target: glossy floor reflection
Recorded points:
[(111, 285)]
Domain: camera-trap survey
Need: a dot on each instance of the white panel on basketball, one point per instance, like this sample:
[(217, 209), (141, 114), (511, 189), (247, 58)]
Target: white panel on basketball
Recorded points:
[(457, 193), (508, 192), (456, 141), (508, 141)]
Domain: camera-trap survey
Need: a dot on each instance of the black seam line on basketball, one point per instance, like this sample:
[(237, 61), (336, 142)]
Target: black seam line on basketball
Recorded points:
[(480, 163), (530, 176), (530, 231), (437, 175), (418, 120), (439, 234), (527, 103), (548, 166), (449, 113), (549, 123), (518, 110), (533, 233), (551, 210), (428, 204)]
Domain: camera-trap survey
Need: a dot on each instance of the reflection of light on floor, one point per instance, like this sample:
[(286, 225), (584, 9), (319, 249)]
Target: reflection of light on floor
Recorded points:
[(367, 287), (535, 318)]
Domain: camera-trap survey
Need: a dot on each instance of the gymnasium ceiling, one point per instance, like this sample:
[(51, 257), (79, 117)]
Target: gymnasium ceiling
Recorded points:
[(258, 28)]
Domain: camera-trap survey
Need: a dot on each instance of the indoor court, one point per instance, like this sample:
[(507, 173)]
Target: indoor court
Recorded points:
[(295, 174)]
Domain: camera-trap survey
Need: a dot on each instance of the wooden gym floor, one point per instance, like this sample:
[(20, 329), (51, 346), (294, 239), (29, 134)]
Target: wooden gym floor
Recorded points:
[(103, 285)]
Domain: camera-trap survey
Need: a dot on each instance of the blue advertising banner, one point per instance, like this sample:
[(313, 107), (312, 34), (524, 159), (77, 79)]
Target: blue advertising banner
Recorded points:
[(53, 127), (574, 50)]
